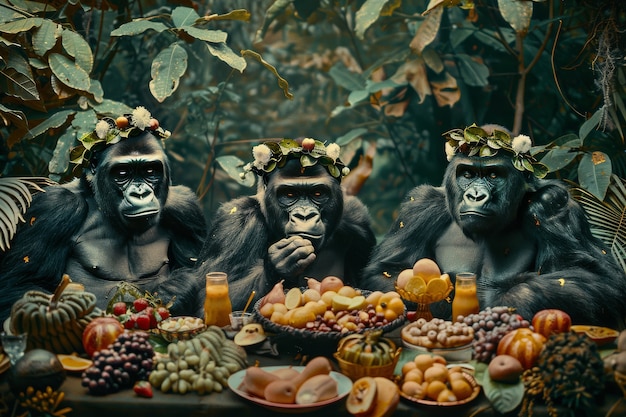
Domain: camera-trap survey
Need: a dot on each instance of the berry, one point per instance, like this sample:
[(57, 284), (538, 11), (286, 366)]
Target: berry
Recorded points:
[(140, 304), (119, 308), (143, 322), (143, 389), (163, 312), (130, 322), (308, 144), (154, 124), (121, 122)]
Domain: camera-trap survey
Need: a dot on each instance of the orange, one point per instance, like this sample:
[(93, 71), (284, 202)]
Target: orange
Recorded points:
[(416, 285), (436, 288), (404, 277), (414, 375), (423, 361), (446, 396), (461, 388), (436, 373), (434, 388), (408, 366), (413, 389)]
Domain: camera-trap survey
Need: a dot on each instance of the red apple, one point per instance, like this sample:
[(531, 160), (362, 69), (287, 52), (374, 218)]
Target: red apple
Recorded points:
[(548, 321), (308, 144), (100, 333)]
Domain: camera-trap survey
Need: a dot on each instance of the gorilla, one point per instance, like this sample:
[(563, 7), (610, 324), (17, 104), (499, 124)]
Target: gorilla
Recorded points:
[(299, 224), (526, 239), (122, 220)]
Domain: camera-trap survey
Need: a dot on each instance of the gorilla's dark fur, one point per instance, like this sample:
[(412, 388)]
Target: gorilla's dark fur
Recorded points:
[(251, 237), (528, 241), (122, 222)]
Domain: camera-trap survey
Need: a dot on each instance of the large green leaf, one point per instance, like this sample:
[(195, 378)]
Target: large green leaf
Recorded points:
[(61, 155), (55, 120), (233, 167), (590, 124), (45, 37), (223, 52), (111, 108), (215, 36), (427, 31), (68, 72), (366, 15), (517, 13), (78, 48), (558, 158), (167, 68), (594, 173), (21, 25), (607, 218), (474, 73), (184, 16), (345, 78), (20, 81), (138, 26)]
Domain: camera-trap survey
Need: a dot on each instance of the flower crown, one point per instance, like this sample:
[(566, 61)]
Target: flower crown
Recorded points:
[(474, 141), (271, 155), (110, 131)]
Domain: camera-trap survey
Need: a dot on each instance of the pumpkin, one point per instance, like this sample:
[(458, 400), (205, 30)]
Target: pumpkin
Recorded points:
[(367, 349), (54, 322), (551, 320), (523, 344)]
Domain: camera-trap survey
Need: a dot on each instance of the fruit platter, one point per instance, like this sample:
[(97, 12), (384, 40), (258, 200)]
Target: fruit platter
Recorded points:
[(327, 310)]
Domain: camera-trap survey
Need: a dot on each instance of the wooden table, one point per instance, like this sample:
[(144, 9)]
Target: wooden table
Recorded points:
[(227, 403)]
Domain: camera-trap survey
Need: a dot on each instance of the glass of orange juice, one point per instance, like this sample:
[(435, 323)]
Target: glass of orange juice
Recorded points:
[(217, 306), (465, 300)]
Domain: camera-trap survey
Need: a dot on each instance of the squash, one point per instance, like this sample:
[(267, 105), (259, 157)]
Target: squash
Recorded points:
[(523, 344), (367, 349), (54, 322)]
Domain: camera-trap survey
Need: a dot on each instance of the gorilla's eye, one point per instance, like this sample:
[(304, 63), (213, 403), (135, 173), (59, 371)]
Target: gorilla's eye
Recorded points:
[(287, 196), (493, 175), (319, 194), (468, 174), (120, 174)]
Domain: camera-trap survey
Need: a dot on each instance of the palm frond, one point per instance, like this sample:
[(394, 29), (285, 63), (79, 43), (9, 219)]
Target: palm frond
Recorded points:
[(607, 218), (16, 194)]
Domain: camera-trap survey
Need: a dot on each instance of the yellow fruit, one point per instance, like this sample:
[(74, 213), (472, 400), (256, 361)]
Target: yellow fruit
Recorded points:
[(396, 305), (434, 388), (328, 296), (414, 375), (341, 302), (408, 366), (373, 298), (427, 269), (461, 388), (446, 278), (423, 361), (416, 285), (413, 389), (280, 307), (278, 318), (310, 295), (446, 396), (436, 288), (347, 291), (300, 317), (358, 303), (266, 310), (388, 296), (436, 373), (404, 277), (293, 298)]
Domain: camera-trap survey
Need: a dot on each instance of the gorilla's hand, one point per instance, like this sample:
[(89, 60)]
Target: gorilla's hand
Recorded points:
[(549, 203), (291, 256)]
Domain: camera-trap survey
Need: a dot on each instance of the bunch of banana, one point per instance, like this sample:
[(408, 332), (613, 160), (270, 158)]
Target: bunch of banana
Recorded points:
[(367, 349), (54, 322), (202, 364)]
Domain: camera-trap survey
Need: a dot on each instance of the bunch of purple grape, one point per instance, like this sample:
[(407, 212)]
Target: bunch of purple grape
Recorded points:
[(127, 360), (490, 325)]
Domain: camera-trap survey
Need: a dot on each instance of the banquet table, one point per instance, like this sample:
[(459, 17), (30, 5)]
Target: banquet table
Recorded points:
[(228, 403)]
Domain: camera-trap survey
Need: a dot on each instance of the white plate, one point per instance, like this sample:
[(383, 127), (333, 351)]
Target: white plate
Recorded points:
[(344, 385)]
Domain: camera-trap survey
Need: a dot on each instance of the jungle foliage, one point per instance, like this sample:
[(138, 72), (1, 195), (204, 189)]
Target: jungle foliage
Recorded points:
[(383, 78)]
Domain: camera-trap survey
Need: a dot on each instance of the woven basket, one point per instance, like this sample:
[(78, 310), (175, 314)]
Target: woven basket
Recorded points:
[(355, 371)]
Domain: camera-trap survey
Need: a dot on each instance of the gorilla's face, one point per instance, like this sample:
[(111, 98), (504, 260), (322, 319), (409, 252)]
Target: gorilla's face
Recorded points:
[(303, 202), (484, 194), (131, 183)]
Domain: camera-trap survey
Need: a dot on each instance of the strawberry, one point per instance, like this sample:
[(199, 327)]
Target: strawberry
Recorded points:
[(119, 308), (163, 312), (143, 322), (140, 304), (149, 311), (143, 389), (130, 322)]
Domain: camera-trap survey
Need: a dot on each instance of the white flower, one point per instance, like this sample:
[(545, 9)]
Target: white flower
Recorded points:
[(450, 151), (247, 167), (332, 151), (102, 128), (521, 144), (345, 171), (141, 117), (262, 154)]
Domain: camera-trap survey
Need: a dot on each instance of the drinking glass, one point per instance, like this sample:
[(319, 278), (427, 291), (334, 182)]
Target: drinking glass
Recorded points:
[(14, 345)]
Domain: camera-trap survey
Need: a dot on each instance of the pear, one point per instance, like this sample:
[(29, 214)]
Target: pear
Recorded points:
[(276, 294)]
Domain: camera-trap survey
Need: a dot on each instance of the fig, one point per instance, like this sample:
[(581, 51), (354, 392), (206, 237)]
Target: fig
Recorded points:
[(362, 396), (256, 380), (505, 368), (276, 295), (317, 388)]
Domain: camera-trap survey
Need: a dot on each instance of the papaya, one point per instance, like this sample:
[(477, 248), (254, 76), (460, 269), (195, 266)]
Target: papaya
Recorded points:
[(256, 380), (280, 391), (317, 388), (362, 397), (317, 366)]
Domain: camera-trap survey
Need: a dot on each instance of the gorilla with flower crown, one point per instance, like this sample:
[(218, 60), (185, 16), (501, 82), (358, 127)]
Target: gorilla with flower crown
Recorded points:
[(495, 214), (299, 224), (121, 221)]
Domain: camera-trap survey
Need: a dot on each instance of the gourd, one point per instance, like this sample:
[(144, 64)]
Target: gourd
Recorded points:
[(54, 322), (523, 344), (367, 349)]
